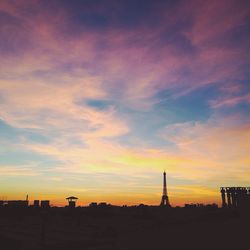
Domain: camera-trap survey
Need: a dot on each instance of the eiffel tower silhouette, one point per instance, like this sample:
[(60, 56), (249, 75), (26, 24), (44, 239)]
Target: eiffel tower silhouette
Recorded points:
[(164, 198)]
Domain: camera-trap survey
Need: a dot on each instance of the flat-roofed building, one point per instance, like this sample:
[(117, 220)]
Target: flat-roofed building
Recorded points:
[(45, 204), (17, 203), (36, 203)]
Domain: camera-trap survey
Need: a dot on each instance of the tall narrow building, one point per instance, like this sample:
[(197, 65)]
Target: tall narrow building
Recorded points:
[(164, 198)]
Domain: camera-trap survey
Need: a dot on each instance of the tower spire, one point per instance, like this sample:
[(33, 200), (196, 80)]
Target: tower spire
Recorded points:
[(164, 198)]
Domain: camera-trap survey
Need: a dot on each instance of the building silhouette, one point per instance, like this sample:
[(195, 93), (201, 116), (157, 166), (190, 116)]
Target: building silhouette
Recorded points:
[(72, 201), (17, 203), (36, 203), (45, 204), (164, 198), (234, 197)]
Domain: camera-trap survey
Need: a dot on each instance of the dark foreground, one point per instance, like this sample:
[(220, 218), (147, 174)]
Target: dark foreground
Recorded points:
[(124, 228)]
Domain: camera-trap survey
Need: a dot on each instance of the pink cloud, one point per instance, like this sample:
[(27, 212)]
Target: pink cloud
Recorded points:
[(135, 63), (230, 101), (231, 88)]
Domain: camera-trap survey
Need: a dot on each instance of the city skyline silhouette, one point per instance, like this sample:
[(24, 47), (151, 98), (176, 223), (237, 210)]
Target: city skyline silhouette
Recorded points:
[(124, 124), (104, 226), (231, 197), (98, 97)]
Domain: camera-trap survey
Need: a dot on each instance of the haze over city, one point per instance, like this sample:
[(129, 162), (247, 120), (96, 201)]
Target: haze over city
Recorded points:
[(98, 98)]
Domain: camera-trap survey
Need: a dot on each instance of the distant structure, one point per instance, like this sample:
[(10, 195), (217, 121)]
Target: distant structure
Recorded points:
[(72, 201), (200, 205), (234, 197), (45, 204), (103, 204), (98, 205), (17, 203), (36, 203), (164, 198), (93, 204)]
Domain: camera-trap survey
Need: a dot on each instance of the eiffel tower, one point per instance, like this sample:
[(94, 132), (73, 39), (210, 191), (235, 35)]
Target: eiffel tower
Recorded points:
[(164, 198)]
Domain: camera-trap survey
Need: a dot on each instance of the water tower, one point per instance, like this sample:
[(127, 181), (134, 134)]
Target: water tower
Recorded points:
[(72, 201)]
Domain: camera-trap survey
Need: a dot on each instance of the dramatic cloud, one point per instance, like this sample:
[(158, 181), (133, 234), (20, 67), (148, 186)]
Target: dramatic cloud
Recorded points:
[(117, 91)]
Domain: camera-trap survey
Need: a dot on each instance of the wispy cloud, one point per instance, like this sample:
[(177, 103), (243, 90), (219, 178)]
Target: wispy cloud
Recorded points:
[(230, 101), (8, 171)]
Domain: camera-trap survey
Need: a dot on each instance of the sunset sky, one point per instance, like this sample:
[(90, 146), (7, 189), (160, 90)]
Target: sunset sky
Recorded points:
[(98, 98)]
